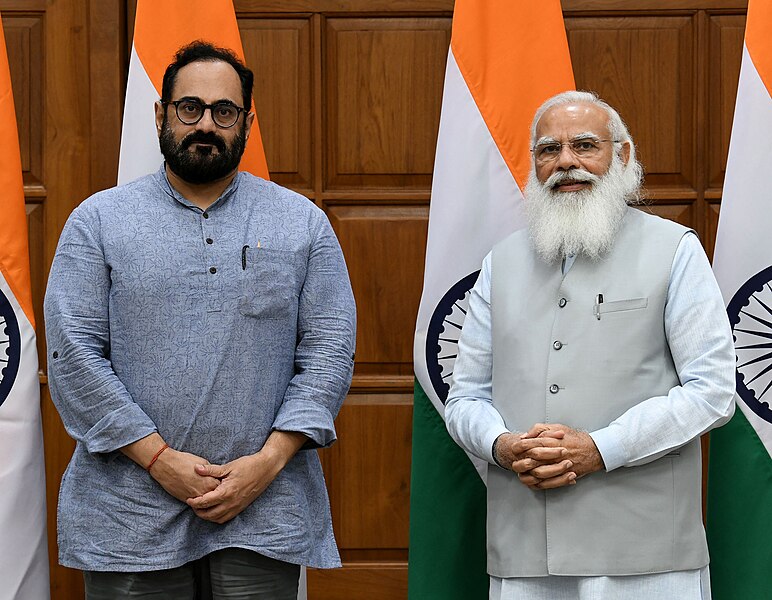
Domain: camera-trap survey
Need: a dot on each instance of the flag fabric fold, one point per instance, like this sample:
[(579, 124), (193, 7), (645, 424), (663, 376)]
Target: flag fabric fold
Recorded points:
[(739, 520), (505, 59), (23, 539)]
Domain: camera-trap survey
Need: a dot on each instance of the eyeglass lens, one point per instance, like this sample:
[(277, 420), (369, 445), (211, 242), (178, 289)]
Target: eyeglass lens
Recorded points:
[(190, 112), (583, 148)]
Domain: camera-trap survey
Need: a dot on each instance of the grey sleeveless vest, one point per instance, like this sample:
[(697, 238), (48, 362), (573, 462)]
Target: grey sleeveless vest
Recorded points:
[(561, 356)]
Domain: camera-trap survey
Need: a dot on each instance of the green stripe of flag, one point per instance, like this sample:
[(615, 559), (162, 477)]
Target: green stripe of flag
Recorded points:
[(447, 514), (739, 513)]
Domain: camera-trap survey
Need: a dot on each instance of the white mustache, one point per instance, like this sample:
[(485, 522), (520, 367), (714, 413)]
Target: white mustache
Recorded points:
[(574, 175)]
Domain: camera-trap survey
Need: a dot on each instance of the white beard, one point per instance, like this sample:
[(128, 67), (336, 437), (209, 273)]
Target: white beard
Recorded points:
[(584, 222)]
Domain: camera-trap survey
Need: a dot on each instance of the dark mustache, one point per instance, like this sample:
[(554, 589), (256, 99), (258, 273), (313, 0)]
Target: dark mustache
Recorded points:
[(203, 137)]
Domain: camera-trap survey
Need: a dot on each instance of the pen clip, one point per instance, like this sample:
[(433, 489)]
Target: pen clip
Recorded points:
[(244, 257), (598, 302)]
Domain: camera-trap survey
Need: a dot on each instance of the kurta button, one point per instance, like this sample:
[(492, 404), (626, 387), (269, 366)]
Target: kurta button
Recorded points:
[(557, 345), (209, 241), (205, 215), (554, 388), (213, 270), (562, 302)]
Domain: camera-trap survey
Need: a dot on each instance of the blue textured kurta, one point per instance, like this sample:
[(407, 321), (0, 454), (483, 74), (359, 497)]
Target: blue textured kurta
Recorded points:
[(214, 328)]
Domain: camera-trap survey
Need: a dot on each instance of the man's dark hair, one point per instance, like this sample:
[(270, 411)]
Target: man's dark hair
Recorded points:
[(205, 51)]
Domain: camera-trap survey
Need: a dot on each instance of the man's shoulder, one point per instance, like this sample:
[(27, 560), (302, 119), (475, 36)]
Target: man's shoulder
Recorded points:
[(648, 219), (276, 197), (516, 240), (118, 199)]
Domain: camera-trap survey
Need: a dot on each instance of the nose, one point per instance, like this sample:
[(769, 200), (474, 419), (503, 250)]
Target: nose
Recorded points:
[(206, 123), (567, 159)]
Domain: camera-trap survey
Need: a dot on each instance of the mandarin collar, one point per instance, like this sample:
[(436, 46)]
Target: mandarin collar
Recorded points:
[(163, 181)]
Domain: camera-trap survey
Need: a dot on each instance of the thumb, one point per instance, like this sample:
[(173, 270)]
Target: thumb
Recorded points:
[(217, 471), (535, 431)]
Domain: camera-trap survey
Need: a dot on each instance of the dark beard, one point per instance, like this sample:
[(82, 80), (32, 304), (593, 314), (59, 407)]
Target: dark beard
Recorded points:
[(203, 165)]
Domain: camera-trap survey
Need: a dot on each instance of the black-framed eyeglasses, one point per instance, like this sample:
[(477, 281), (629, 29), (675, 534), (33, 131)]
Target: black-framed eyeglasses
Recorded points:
[(190, 112)]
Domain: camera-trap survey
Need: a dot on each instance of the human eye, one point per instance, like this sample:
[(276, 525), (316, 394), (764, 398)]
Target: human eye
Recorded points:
[(189, 107), (225, 110), (548, 149), (585, 146)]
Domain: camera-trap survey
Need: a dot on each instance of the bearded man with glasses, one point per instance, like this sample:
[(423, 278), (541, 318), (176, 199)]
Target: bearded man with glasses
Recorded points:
[(595, 352), (200, 325)]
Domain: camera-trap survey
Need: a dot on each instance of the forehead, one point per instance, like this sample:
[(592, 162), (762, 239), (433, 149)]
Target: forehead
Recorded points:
[(208, 80), (568, 120)]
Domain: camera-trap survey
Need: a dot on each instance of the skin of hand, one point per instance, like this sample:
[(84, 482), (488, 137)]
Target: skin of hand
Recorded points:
[(581, 458), (521, 452), (243, 480), (174, 471)]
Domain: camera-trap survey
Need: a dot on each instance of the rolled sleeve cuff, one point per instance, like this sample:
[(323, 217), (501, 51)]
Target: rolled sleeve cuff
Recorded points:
[(610, 448), (309, 418), (117, 429)]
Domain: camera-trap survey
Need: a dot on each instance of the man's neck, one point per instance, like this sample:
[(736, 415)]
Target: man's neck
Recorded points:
[(202, 195)]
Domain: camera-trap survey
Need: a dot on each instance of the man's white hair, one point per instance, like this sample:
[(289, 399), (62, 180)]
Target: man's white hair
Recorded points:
[(618, 132)]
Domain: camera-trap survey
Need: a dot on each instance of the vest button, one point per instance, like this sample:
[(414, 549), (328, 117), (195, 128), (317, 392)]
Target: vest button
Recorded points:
[(557, 344), (562, 302), (554, 388)]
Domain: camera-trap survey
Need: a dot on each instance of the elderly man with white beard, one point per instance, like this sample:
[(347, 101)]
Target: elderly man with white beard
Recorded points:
[(595, 353)]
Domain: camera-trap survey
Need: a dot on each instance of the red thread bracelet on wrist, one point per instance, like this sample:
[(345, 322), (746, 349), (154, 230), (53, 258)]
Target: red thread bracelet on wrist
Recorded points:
[(155, 458)]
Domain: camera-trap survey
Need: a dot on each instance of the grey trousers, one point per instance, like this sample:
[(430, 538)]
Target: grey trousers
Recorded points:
[(228, 574)]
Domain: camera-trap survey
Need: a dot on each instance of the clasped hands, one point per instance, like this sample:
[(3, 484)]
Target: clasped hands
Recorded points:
[(217, 493), (548, 455)]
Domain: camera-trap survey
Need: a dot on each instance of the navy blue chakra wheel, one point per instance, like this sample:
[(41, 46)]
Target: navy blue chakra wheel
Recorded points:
[(750, 313), (443, 333), (10, 347)]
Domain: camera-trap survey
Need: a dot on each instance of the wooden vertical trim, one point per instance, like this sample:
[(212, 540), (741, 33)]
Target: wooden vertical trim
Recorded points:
[(700, 115), (318, 91), (702, 165), (108, 62)]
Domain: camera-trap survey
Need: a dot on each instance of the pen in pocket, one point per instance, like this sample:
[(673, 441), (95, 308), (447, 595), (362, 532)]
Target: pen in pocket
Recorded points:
[(598, 302), (244, 255)]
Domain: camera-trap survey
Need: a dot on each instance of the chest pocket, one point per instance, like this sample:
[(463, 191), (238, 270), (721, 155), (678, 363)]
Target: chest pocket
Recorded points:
[(271, 283), (623, 305)]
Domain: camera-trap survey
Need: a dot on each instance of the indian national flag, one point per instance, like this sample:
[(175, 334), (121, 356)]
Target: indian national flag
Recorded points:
[(23, 541), (160, 29), (505, 59), (740, 480)]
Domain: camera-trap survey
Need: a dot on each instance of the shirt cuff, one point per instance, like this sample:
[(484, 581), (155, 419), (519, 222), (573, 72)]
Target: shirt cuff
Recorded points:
[(118, 428), (488, 440), (309, 418), (610, 447)]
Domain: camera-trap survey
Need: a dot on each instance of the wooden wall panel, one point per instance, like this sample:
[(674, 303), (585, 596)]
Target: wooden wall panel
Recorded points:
[(384, 78), (279, 53), (365, 580), (24, 42), (369, 474), (725, 55), (680, 213), (35, 232), (384, 248), (644, 67)]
